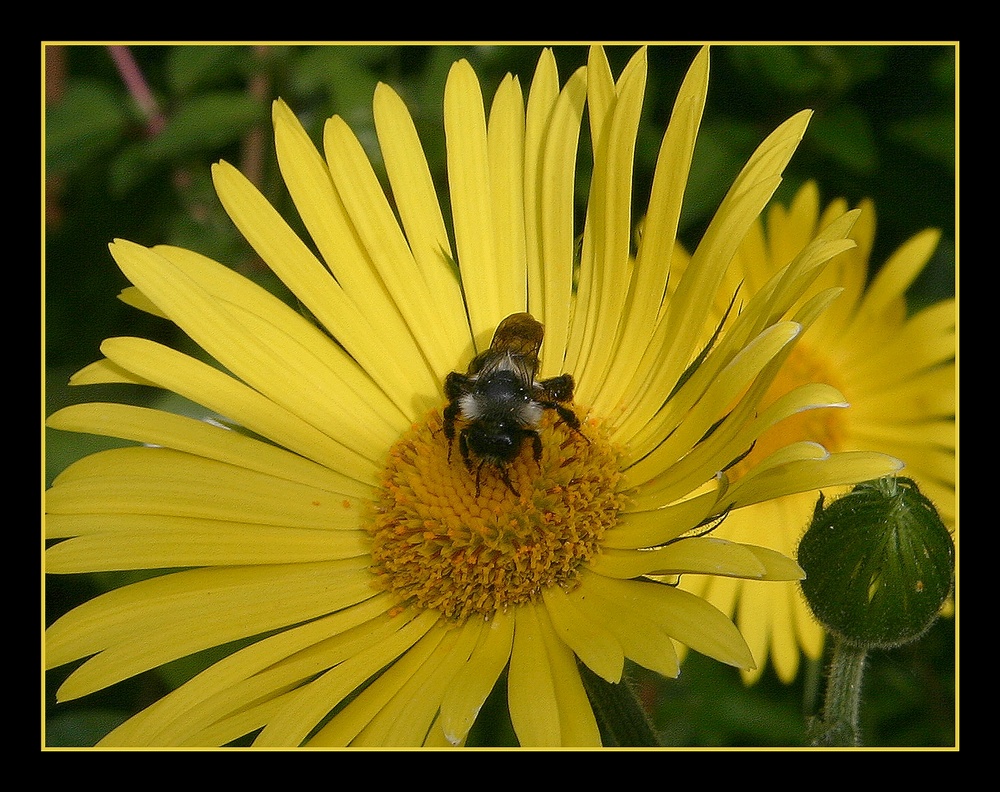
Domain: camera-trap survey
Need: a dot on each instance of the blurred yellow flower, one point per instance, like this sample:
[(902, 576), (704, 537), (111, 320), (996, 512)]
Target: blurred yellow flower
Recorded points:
[(897, 373)]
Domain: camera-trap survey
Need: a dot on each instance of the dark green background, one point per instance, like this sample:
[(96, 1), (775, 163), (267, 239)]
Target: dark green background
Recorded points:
[(884, 128)]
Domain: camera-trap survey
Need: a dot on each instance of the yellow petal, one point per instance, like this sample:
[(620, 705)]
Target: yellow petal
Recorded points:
[(472, 202), (104, 372), (531, 694), (790, 230), (695, 295), (696, 555), (812, 396), (188, 611), (130, 295), (229, 397), (542, 97), (329, 657), (237, 725), (286, 254), (711, 406), (656, 526), (310, 703), (158, 723), (641, 639), (142, 480), (505, 145), (294, 340), (753, 618), (406, 718), (784, 650), (577, 724), (473, 683), (777, 566), (591, 642), (927, 339), (154, 542), (682, 615), (609, 225), (656, 246), (158, 428), (323, 211), (552, 130), (899, 271), (600, 90), (265, 343), (803, 475), (415, 198), (555, 218), (378, 230)]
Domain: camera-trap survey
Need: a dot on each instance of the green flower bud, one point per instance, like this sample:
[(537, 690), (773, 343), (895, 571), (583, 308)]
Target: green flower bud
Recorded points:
[(879, 564)]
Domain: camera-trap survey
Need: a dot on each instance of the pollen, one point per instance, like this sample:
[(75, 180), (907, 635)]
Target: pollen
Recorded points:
[(437, 544)]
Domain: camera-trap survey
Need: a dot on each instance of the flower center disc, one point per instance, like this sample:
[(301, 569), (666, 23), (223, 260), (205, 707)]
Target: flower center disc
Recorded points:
[(438, 544)]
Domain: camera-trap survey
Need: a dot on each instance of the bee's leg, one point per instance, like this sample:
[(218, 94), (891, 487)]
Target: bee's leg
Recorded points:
[(536, 443), (453, 385), (568, 417), (448, 422), (557, 389), (501, 471), (463, 447), (505, 477)]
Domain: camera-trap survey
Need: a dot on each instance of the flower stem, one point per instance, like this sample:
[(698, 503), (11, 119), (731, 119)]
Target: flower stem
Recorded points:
[(622, 719), (839, 726), (137, 86)]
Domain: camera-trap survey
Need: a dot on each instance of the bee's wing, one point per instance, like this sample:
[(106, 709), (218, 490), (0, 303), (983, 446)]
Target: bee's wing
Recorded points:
[(519, 334)]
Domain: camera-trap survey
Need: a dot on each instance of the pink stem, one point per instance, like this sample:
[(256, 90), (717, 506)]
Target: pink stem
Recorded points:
[(138, 88)]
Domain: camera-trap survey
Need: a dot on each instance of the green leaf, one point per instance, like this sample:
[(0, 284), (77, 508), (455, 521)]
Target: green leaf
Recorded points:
[(931, 135), (205, 123), (788, 69), (88, 120), (197, 65), (81, 728), (128, 169), (844, 134)]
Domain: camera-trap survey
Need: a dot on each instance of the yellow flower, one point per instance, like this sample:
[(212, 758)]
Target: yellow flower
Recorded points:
[(897, 373), (368, 585)]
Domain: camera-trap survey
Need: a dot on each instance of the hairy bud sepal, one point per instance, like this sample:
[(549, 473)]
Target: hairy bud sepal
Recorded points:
[(879, 564)]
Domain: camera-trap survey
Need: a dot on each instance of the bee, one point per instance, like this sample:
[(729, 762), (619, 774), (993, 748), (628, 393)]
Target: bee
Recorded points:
[(501, 402)]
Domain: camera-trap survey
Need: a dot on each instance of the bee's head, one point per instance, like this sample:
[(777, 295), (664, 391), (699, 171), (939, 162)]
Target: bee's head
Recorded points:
[(495, 440)]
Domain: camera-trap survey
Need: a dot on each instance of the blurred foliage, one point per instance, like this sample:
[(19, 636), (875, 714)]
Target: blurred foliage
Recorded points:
[(884, 128)]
